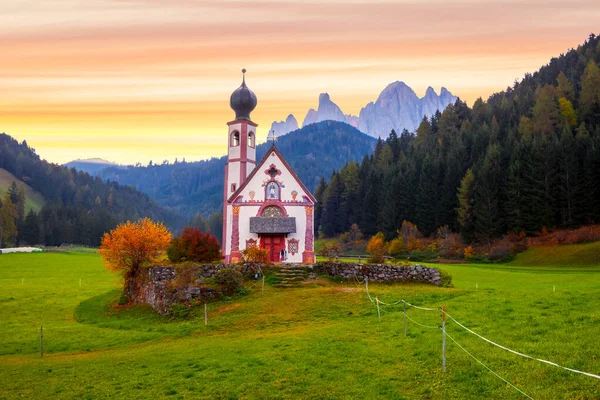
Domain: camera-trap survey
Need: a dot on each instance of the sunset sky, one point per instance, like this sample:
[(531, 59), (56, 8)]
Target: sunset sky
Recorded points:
[(133, 81)]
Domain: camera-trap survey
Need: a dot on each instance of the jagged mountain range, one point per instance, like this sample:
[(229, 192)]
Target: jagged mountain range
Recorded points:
[(398, 107)]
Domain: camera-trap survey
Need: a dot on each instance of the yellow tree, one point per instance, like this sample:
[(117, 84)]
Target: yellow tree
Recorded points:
[(131, 245), (376, 248)]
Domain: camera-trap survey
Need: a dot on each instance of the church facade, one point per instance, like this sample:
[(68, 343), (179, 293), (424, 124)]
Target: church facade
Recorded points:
[(265, 203)]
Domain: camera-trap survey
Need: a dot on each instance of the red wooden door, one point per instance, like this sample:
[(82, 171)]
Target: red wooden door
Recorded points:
[(273, 244)]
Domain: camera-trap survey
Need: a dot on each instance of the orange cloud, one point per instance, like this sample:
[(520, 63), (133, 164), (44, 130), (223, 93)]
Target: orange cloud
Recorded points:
[(140, 80)]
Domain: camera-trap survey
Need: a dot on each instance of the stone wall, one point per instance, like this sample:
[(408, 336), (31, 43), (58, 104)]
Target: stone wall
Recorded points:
[(161, 287), (380, 272)]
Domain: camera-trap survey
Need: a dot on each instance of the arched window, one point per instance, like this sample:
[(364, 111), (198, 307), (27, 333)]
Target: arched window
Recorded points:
[(272, 211), (272, 191), (235, 139), (251, 139)]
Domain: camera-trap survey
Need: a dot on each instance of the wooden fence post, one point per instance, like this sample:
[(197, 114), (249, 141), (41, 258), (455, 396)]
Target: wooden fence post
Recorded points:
[(444, 338), (41, 341), (404, 317)]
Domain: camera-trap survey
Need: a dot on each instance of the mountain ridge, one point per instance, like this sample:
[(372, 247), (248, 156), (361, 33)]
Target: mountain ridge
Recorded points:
[(397, 107), (197, 187)]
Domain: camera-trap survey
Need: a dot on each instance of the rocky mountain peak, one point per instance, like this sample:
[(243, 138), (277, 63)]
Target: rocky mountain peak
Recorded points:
[(397, 107)]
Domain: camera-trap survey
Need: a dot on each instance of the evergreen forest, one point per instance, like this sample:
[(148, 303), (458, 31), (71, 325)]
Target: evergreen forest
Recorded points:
[(78, 208), (189, 188), (526, 159)]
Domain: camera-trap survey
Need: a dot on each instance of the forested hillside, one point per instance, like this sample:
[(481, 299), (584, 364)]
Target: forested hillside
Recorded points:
[(78, 208), (197, 187), (526, 158)]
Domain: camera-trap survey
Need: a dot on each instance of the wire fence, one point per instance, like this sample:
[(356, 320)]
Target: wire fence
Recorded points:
[(444, 316), (380, 308)]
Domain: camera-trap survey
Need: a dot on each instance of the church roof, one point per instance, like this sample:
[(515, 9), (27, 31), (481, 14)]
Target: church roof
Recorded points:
[(272, 224), (259, 166)]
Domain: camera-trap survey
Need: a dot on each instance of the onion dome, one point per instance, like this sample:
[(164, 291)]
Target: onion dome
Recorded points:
[(243, 100)]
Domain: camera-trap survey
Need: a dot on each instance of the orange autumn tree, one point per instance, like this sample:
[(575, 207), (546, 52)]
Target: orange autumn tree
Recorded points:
[(131, 245)]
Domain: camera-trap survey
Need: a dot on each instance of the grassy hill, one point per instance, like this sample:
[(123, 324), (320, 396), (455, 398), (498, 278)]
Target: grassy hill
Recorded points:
[(322, 341), (573, 256), (33, 200)]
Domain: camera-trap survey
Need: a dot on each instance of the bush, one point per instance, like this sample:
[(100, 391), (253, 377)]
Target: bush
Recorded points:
[(585, 234), (501, 252), (446, 278), (255, 254), (331, 250), (396, 247), (193, 245), (229, 280), (376, 249)]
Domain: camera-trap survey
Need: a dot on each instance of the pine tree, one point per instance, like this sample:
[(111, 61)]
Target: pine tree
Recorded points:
[(568, 177), (331, 204), (30, 233), (464, 211), (427, 200), (486, 194), (590, 94), (319, 204)]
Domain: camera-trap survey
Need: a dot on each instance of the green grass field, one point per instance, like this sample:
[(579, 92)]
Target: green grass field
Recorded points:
[(323, 341), (33, 200)]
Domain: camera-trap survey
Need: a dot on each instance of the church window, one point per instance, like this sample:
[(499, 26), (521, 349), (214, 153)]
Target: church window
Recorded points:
[(293, 246), (251, 139), (235, 139), (233, 187), (272, 191), (272, 211)]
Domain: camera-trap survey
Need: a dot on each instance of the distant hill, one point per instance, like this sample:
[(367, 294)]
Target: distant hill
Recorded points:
[(78, 208), (191, 187), (91, 165), (33, 200)]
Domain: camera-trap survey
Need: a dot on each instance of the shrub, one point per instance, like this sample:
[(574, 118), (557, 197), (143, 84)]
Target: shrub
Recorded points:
[(396, 247), (331, 250), (501, 252), (193, 245), (469, 252), (229, 280), (409, 232), (376, 249), (255, 254), (446, 278), (449, 244)]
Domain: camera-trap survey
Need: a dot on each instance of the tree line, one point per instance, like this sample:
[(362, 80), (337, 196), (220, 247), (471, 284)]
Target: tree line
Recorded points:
[(78, 208), (525, 159)]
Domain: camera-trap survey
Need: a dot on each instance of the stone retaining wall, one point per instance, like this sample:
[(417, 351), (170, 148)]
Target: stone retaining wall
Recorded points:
[(160, 290), (380, 272)]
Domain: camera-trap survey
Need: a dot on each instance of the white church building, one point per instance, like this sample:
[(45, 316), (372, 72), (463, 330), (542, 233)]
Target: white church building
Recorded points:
[(265, 204)]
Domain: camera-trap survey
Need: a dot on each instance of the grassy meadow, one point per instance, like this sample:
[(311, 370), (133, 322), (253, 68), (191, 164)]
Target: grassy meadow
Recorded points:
[(33, 200), (319, 341)]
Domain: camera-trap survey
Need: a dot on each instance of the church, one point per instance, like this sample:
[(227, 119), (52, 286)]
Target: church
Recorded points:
[(265, 204)]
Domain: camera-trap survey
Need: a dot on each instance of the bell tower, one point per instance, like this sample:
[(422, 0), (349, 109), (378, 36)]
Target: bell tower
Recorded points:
[(241, 144), (241, 154)]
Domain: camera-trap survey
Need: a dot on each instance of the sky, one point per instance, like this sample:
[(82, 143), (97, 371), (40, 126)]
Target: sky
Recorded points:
[(133, 81)]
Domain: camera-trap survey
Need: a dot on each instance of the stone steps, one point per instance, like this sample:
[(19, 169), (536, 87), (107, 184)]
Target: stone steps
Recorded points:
[(290, 277)]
